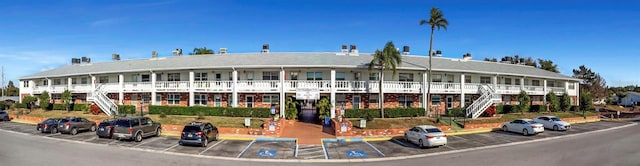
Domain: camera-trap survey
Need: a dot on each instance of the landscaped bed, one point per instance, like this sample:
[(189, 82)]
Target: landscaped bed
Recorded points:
[(529, 115), (394, 123)]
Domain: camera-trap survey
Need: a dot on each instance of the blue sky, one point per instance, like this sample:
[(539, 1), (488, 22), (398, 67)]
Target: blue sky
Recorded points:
[(603, 35)]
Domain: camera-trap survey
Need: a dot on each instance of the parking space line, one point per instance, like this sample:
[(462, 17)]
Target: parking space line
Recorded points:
[(400, 142), (170, 147), (246, 148), (145, 142), (51, 135), (111, 143), (326, 155), (210, 147), (376, 149)]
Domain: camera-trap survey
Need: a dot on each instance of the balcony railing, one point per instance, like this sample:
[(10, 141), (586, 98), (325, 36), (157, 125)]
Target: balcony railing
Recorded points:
[(322, 85), (401, 87), (534, 90), (112, 87), (556, 90), (213, 86), (172, 86), (58, 88), (471, 87), (445, 87), (81, 88), (508, 89), (259, 86), (357, 86), (137, 86)]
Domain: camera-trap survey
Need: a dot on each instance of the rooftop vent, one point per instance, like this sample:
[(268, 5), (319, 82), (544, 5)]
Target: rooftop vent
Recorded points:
[(353, 49), (405, 50), (115, 57), (265, 48), (86, 60), (154, 54), (436, 53), (343, 49), (177, 52), (75, 61), (223, 50), (466, 56)]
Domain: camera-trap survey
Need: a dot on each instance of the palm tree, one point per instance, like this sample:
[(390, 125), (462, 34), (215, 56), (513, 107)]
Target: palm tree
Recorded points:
[(387, 59), (436, 20), (201, 51)]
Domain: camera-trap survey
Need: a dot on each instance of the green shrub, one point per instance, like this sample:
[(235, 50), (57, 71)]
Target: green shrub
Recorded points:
[(457, 112), (126, 109), (19, 105), (538, 108), (504, 109), (58, 107), (362, 113), (211, 111), (388, 112), (575, 108), (80, 107), (3, 105)]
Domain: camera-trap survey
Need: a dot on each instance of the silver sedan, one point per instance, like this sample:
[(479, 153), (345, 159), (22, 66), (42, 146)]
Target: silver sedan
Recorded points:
[(426, 136), (524, 126), (552, 122)]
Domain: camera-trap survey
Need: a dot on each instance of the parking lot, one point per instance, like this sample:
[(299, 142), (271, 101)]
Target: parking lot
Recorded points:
[(287, 149)]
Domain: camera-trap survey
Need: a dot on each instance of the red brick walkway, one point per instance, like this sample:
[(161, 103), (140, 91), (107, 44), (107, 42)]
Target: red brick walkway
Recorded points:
[(307, 133)]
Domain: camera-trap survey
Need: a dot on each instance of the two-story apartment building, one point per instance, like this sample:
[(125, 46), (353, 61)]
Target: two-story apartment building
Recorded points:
[(265, 79)]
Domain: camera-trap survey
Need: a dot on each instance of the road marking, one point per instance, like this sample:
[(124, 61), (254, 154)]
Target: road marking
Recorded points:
[(111, 143), (400, 142), (246, 148), (145, 142), (91, 139), (374, 148), (210, 147), (171, 147), (313, 157), (51, 135), (326, 155)]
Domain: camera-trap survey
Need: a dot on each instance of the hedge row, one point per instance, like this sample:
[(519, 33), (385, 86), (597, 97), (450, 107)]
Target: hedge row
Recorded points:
[(504, 109), (126, 109), (211, 111), (76, 107), (388, 112), (20, 105)]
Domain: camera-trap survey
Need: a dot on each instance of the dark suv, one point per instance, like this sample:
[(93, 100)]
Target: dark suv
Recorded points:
[(4, 116), (105, 128), (72, 125), (136, 128), (198, 133)]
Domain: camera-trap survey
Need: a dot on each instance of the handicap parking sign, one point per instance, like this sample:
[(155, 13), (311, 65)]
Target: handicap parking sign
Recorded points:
[(356, 154), (267, 153)]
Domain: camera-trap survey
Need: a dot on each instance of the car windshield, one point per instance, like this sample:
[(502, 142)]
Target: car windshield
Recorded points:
[(555, 119), (103, 124), (123, 123), (64, 120), (531, 122), (50, 120), (191, 129), (433, 130)]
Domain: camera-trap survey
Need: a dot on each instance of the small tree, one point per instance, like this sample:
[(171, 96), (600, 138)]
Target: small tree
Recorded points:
[(524, 102), (29, 101), (325, 108), (586, 100), (66, 99), (291, 109), (553, 101), (565, 102), (44, 100)]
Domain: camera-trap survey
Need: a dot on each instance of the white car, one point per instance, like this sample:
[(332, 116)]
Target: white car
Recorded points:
[(426, 136), (552, 122), (524, 126)]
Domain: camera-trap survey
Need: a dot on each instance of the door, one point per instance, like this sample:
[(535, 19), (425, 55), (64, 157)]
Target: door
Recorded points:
[(249, 101), (356, 102), (449, 102)]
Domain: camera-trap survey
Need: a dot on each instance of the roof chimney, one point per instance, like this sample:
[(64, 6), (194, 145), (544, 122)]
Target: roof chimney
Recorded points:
[(154, 54), (223, 50), (353, 49), (343, 48), (75, 61), (115, 57), (438, 53), (466, 56), (405, 50), (177, 52), (265, 48), (86, 60)]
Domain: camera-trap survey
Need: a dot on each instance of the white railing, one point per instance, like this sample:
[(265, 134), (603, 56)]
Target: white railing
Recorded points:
[(213, 86), (81, 88), (322, 85), (137, 87), (259, 86), (357, 86), (556, 90), (401, 86), (445, 87), (487, 97), (110, 87), (471, 87), (58, 88), (99, 96), (534, 90), (508, 89), (172, 86), (39, 89)]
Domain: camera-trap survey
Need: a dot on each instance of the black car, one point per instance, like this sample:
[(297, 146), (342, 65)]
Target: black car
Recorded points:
[(105, 128), (4, 116), (49, 126), (198, 133)]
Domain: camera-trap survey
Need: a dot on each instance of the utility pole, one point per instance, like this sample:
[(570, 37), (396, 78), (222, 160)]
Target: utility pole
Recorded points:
[(3, 88)]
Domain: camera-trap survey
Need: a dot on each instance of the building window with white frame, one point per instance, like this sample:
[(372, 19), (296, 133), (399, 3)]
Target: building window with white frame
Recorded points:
[(217, 100), (158, 99), (200, 99), (314, 75), (449, 78), (173, 77), (84, 80), (25, 84), (146, 78), (571, 85), (294, 75), (436, 78), (374, 76), (405, 77), (405, 101), (339, 76), (507, 81), (485, 80), (373, 99), (103, 79), (535, 82), (57, 82), (551, 83), (200, 76), (341, 100), (517, 81), (435, 100), (173, 99), (270, 99), (270, 75), (467, 79), (467, 100)]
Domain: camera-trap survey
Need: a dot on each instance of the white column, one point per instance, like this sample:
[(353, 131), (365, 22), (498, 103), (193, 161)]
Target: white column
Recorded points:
[(522, 84), (121, 89), (69, 80), (234, 94), (32, 84), (544, 88), (282, 94), (333, 93), (495, 82), (576, 85), (153, 89), (93, 82), (425, 98), (191, 89), (49, 86), (566, 86), (462, 91)]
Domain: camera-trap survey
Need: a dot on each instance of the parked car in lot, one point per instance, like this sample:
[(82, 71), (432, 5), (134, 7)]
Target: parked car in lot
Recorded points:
[(72, 125), (524, 126), (49, 126), (426, 136), (4, 116), (105, 128), (198, 133), (136, 128), (552, 122)]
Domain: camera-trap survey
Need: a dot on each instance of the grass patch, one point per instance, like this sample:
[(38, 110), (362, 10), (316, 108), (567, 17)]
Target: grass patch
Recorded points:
[(451, 121), (393, 123), (530, 115)]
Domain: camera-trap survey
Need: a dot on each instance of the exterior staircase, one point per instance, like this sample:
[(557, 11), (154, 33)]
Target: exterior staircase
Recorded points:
[(487, 98), (311, 152), (99, 96)]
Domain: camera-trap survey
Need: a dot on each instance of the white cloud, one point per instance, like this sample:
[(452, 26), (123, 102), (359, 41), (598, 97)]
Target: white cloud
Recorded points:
[(105, 22), (19, 64)]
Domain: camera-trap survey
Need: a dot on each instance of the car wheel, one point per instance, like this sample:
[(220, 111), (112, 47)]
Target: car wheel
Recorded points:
[(555, 127), (74, 131), (505, 129), (406, 139), (6, 118), (54, 130), (158, 132), (216, 138), (93, 128), (204, 142), (138, 137), (421, 144), (525, 132)]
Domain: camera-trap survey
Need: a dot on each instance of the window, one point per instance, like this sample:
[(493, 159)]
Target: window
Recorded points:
[(551, 83), (373, 99), (294, 75), (217, 100), (230, 76), (467, 79), (356, 76), (314, 75), (25, 84), (158, 77), (449, 78), (229, 101), (572, 86), (146, 78), (405, 77), (271, 99), (405, 101), (517, 81), (158, 99), (173, 99), (45, 82), (507, 100), (339, 75), (200, 99), (436, 78), (173, 77), (74, 80), (535, 82), (249, 75), (507, 81), (146, 98), (200, 76), (467, 100), (57, 82), (435, 100), (84, 80), (134, 78), (270, 75), (56, 97), (341, 100), (485, 80), (374, 76), (103, 79)]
